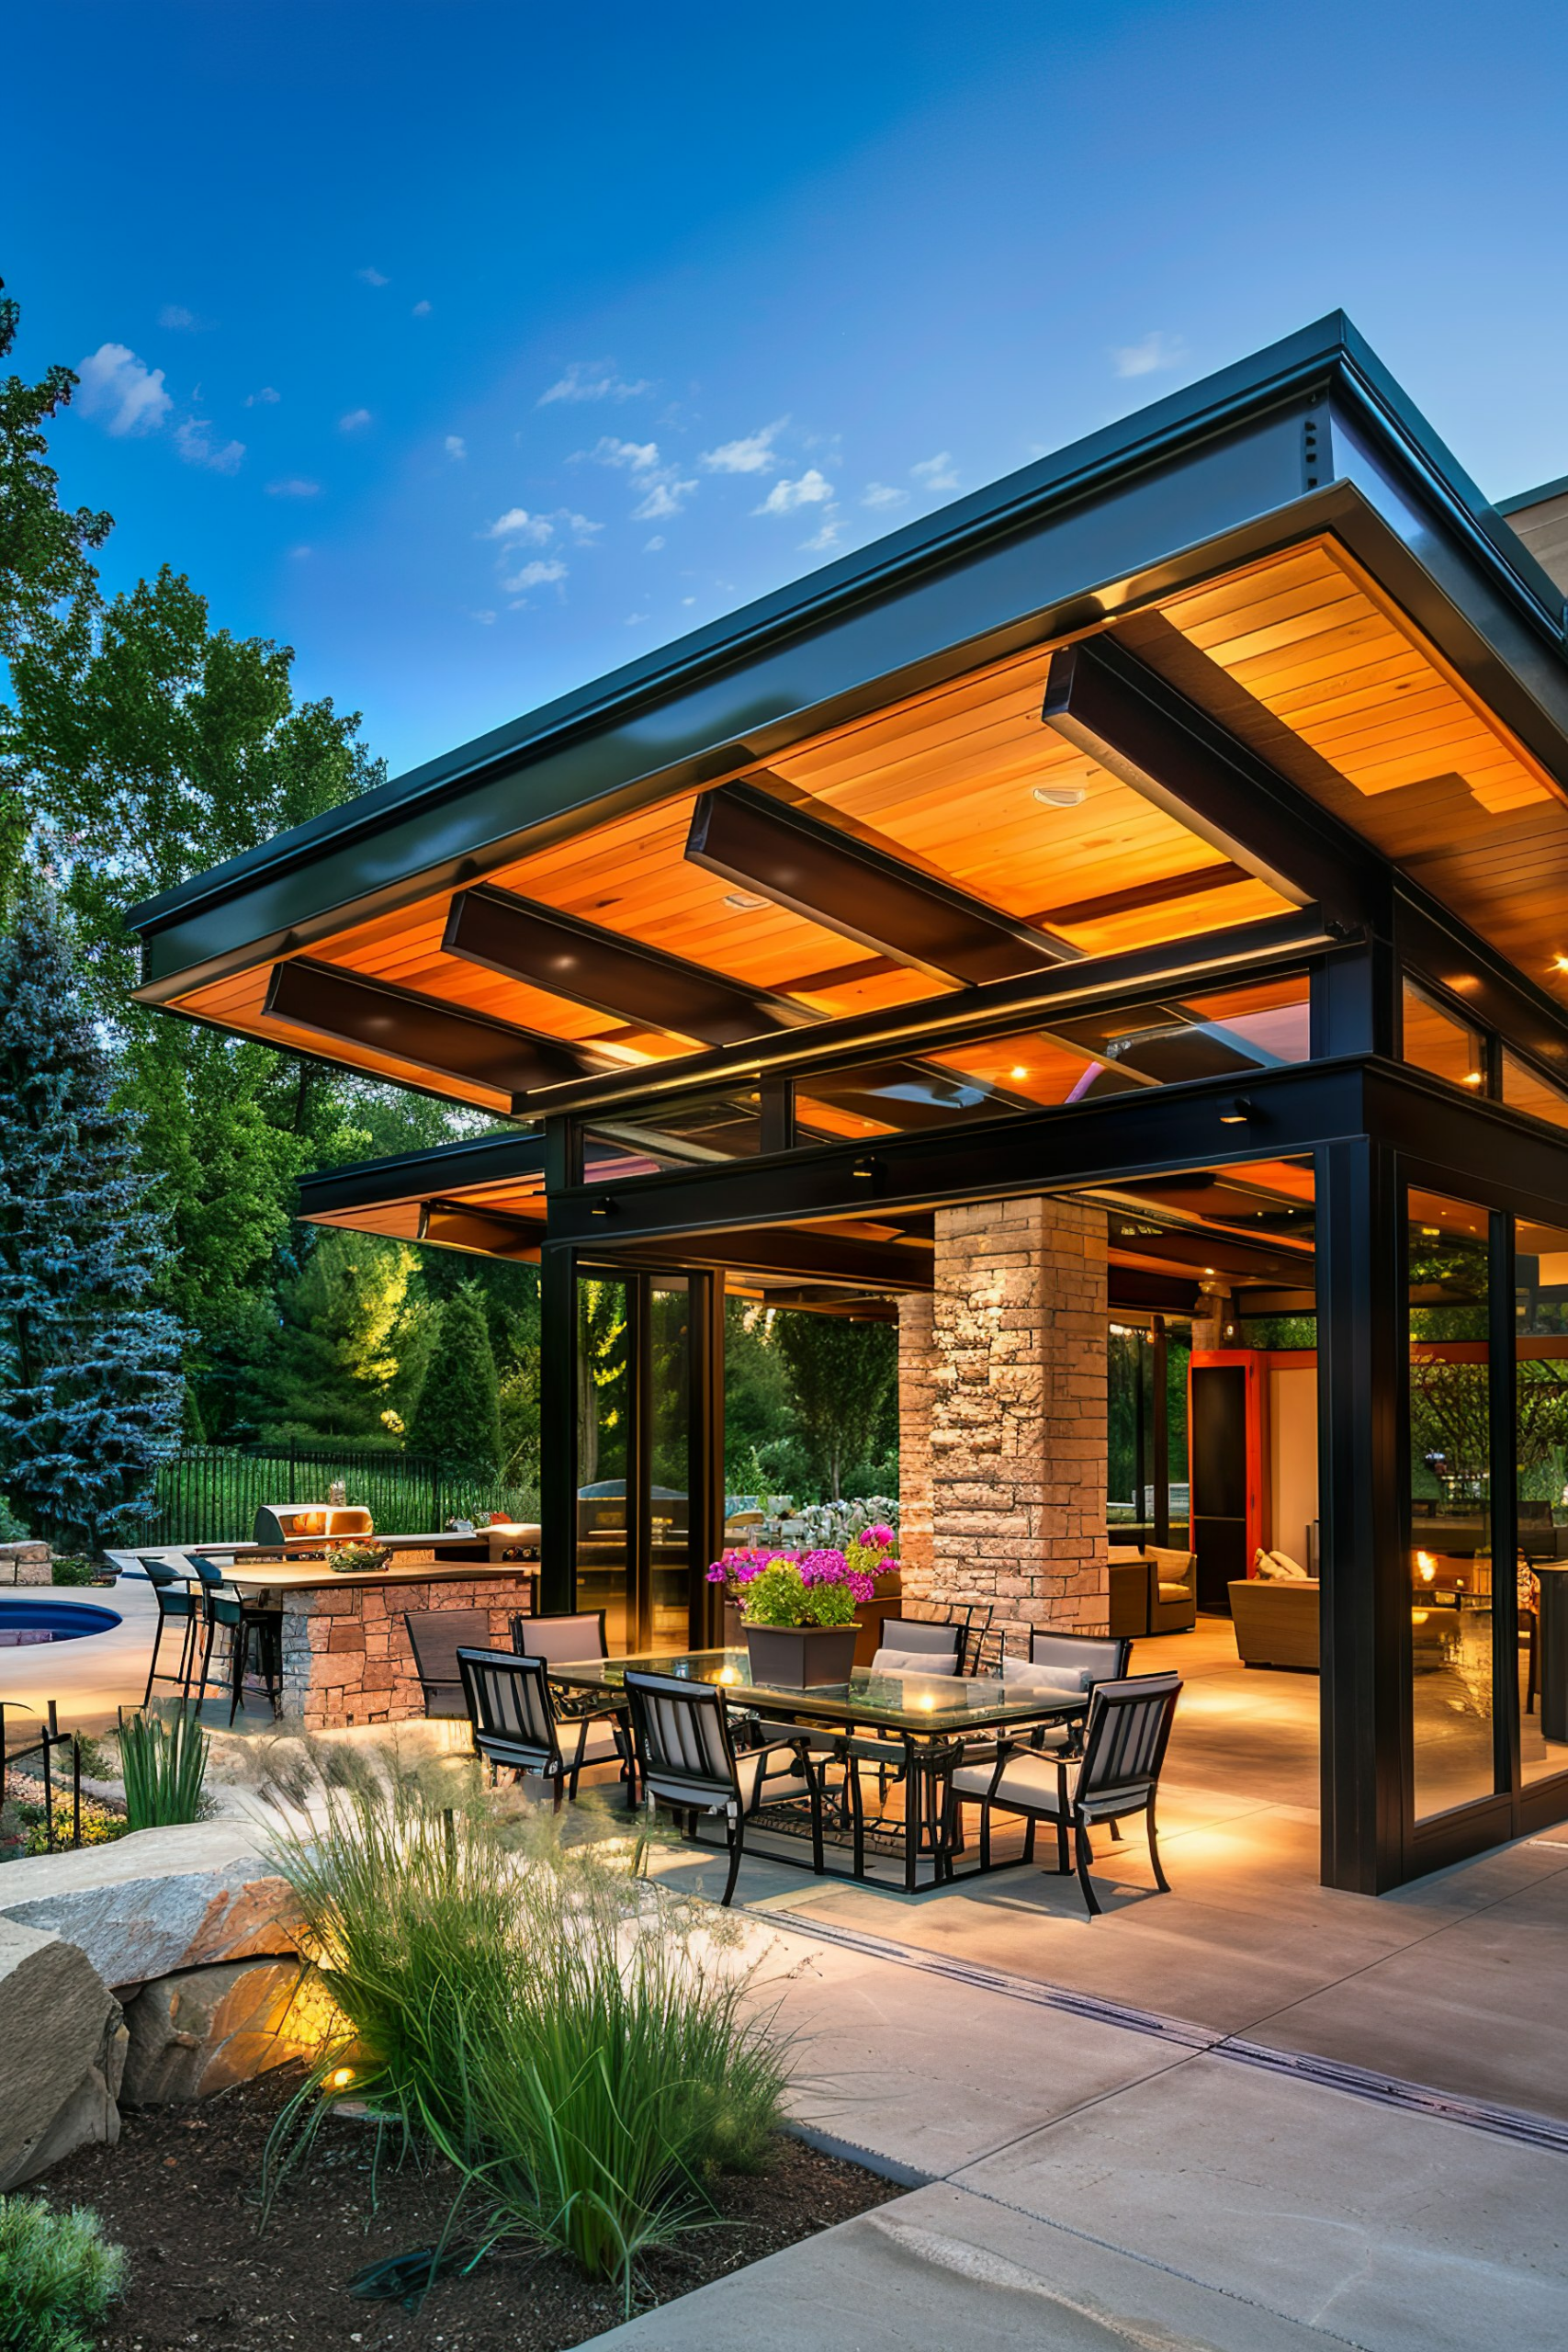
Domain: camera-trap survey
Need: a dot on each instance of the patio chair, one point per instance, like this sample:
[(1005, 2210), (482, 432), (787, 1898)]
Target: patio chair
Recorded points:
[(179, 1607), (249, 1628), (511, 1711), (435, 1635), (562, 1640), (686, 1759), (919, 1646), (1118, 1773)]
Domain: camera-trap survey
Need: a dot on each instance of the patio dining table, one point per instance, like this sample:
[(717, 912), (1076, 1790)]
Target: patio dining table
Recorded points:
[(925, 1719)]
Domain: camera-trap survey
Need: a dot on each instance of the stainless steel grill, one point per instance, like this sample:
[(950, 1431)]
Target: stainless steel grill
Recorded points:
[(296, 1525)]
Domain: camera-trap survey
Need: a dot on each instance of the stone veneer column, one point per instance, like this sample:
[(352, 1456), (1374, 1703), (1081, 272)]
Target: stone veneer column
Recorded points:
[(1018, 1414), (917, 1388)]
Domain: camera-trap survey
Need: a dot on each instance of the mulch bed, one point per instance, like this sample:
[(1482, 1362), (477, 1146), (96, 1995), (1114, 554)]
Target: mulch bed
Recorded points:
[(179, 2193)]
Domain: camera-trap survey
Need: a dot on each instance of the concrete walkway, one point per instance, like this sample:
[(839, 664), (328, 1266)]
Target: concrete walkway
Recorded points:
[(1087, 2184)]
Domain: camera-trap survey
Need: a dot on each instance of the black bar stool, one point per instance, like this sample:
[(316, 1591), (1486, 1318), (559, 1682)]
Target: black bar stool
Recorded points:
[(247, 1625), (178, 1606)]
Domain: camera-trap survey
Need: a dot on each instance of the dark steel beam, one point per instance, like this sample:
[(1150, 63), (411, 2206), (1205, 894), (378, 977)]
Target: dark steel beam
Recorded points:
[(580, 961), (1139, 975), (817, 1257), (1073, 1147), (1105, 700), (560, 1387), (452, 1167), (865, 892), (1133, 1286), (409, 1028)]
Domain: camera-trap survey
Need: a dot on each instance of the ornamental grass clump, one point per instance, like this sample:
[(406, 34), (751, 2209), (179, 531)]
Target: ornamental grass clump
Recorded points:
[(573, 2043), (57, 2276), (163, 1759)]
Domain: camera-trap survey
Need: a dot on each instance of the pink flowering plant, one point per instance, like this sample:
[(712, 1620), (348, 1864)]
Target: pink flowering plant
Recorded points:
[(816, 1589)]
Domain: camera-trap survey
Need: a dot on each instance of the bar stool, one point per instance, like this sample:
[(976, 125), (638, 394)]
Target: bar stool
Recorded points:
[(177, 1606), (246, 1623)]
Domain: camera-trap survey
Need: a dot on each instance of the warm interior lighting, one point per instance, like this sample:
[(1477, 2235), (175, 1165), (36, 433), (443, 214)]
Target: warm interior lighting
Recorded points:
[(1061, 796), (1419, 1616), (729, 1674), (1559, 963), (1473, 1078), (1209, 1270), (1427, 1567), (1018, 1070)]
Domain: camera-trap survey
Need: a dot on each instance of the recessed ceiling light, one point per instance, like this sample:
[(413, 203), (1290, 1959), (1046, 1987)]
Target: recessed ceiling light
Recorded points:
[(1559, 963), (1018, 1070), (1061, 796), (1473, 1078), (742, 903)]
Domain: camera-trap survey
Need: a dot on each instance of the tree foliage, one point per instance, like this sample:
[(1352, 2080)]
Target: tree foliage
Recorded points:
[(90, 1394), (457, 1416), (842, 1378), (327, 1375)]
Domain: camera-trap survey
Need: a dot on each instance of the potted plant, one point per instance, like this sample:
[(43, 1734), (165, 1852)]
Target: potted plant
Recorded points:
[(798, 1615), (357, 1559)]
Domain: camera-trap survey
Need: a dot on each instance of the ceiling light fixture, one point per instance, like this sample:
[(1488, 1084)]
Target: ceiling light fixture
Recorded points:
[(1061, 796), (742, 902), (1018, 1070), (1473, 1078), (1559, 963)]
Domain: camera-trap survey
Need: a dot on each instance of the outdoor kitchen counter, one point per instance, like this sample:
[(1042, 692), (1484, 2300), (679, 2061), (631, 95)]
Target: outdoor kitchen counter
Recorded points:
[(345, 1649)]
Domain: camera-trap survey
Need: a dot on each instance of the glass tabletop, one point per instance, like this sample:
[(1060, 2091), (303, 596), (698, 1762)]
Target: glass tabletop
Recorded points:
[(930, 1703)]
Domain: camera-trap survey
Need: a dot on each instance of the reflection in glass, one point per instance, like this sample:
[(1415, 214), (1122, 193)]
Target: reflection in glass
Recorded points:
[(1436, 1040), (1451, 1463), (669, 1485), (1540, 1372), (1525, 1089), (603, 1424), (688, 1132)]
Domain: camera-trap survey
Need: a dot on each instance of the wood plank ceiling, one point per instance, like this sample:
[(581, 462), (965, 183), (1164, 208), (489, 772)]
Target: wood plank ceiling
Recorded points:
[(949, 783)]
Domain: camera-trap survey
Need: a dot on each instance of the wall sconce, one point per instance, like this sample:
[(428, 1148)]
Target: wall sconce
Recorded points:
[(866, 1171), (1427, 1567), (604, 1208), (1238, 1114)]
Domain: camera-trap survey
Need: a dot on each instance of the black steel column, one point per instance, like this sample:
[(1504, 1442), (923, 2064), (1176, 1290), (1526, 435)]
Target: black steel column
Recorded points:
[(1363, 1449), (557, 1426), (1503, 1506), (1161, 1468), (639, 1465)]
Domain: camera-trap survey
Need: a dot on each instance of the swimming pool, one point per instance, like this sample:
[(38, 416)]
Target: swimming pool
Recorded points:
[(24, 1622)]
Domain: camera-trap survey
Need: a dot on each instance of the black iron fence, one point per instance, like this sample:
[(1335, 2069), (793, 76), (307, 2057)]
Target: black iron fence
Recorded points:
[(209, 1494)]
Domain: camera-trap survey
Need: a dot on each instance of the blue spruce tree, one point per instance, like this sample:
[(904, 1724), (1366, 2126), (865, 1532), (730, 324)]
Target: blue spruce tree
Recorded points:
[(90, 1386)]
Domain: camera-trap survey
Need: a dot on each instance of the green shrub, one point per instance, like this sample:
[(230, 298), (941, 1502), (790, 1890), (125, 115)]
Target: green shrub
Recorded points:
[(72, 1567), (550, 2023), (56, 2276), (162, 1757)]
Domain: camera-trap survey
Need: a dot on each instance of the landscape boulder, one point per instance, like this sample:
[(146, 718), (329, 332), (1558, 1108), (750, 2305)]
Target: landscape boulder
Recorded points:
[(197, 2034), (158, 1902), (63, 2052)]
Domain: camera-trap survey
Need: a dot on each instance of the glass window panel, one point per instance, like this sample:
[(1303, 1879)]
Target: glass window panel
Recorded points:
[(1235, 1032), (670, 1435), (683, 1132), (1434, 1041), (1540, 1369), (1450, 1467), (603, 1424), (1523, 1090)]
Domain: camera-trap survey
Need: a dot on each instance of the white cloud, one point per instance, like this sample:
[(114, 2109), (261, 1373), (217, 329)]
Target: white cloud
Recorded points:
[(535, 576), (355, 421), (935, 473), (882, 493), (651, 547), (827, 537), (372, 277), (636, 620), (293, 486), (265, 398), (592, 379), (638, 457), (812, 488), (176, 315), (123, 390), (518, 524), (194, 441), (666, 495), (581, 529), (486, 619), (752, 454), (299, 553), (422, 311), (455, 445), (1157, 351)]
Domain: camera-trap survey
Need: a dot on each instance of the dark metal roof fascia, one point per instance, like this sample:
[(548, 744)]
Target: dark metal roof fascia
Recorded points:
[(1329, 346), (409, 1175)]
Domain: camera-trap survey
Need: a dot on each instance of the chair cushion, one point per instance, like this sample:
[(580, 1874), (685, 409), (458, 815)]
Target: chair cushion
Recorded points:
[(779, 1786), (599, 1747), (1029, 1782), (1028, 1676), (1277, 1567), (913, 1662), (1175, 1592)]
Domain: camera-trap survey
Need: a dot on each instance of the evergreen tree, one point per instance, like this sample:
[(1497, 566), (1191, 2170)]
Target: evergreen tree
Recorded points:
[(456, 1417), (325, 1378), (90, 1392), (841, 1380)]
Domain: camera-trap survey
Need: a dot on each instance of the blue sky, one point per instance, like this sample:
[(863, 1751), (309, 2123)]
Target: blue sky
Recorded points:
[(473, 349)]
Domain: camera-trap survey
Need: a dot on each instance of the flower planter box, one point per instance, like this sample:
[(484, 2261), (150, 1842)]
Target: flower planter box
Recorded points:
[(800, 1657)]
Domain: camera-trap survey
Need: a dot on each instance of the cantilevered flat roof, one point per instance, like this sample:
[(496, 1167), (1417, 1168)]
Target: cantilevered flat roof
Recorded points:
[(850, 797)]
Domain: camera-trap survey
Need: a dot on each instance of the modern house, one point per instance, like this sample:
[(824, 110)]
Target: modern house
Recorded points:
[(1120, 920)]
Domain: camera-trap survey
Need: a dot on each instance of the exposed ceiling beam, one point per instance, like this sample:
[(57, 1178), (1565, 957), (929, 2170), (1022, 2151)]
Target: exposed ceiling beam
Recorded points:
[(590, 965), (814, 1257), (1104, 700), (353, 1009), (867, 893), (1133, 1286), (488, 1233)]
